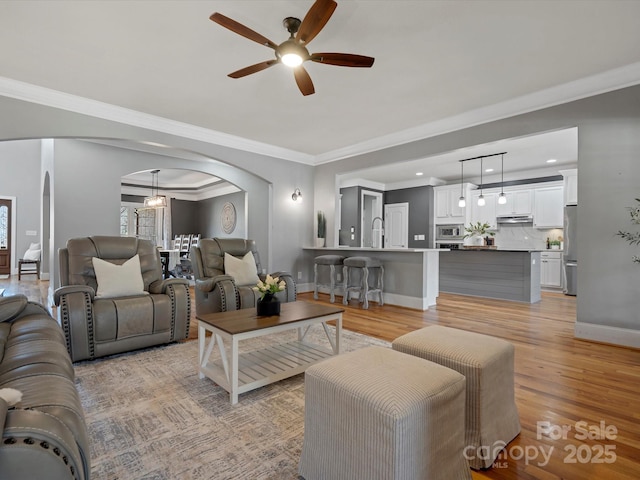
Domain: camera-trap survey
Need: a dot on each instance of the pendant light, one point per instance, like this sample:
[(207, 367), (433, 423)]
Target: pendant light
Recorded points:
[(481, 201), (155, 200), (502, 198), (461, 201)]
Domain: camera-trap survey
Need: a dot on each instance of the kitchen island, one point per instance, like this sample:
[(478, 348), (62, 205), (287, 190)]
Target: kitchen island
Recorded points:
[(411, 275), (507, 274)]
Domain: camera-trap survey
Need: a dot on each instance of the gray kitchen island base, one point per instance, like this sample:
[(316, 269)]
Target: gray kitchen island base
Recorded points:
[(503, 274)]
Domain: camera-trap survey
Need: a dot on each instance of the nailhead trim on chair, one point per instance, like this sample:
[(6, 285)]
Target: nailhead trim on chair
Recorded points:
[(64, 318), (171, 291)]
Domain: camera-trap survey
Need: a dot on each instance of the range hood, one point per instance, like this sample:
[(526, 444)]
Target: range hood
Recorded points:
[(515, 219)]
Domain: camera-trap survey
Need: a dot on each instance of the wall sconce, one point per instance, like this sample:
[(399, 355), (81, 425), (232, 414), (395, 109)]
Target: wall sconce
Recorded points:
[(297, 195)]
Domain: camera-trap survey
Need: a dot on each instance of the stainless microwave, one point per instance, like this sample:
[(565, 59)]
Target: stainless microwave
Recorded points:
[(449, 232)]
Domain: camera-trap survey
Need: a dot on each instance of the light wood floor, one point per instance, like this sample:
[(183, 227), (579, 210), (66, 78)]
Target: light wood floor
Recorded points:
[(559, 380)]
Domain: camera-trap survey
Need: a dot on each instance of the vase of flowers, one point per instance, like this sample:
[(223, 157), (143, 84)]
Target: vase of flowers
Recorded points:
[(475, 233), (322, 229), (268, 304)]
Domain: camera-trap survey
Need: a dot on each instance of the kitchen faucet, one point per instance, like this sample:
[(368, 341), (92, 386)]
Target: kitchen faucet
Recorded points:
[(373, 223)]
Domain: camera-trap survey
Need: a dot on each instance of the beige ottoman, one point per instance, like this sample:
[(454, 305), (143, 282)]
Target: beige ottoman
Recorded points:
[(379, 414), (487, 363)]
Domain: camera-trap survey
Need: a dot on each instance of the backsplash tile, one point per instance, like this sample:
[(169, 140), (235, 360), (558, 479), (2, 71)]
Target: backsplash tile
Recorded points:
[(525, 236)]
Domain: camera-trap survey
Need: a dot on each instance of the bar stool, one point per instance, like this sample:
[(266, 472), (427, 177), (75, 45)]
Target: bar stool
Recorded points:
[(365, 264), (331, 261)]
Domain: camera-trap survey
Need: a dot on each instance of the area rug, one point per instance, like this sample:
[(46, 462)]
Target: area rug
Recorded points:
[(150, 417)]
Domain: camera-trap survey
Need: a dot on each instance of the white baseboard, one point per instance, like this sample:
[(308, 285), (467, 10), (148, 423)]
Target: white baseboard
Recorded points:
[(625, 337)]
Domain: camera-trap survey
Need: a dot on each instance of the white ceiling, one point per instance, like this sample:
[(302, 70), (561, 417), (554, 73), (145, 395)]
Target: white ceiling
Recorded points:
[(435, 61)]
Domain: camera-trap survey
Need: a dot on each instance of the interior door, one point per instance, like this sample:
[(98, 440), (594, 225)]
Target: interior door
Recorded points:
[(396, 218), (5, 237)]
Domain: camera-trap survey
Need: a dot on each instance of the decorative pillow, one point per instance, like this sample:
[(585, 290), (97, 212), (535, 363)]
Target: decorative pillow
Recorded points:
[(31, 254), (118, 280), (35, 246), (244, 272)]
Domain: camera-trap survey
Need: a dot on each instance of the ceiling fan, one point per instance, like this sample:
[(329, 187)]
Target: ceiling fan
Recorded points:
[(293, 52)]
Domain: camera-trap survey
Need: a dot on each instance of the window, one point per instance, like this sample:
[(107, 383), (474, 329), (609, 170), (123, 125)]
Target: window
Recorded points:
[(4, 227), (124, 221), (136, 221), (146, 224)]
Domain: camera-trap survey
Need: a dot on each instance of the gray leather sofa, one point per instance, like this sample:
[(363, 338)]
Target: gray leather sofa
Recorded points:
[(44, 435), (215, 291), (95, 327)]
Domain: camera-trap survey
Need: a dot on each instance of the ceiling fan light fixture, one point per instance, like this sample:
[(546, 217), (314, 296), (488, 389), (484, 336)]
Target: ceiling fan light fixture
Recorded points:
[(291, 60)]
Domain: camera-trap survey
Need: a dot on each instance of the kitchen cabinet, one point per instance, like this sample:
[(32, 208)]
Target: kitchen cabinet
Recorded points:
[(548, 208), (446, 206), (486, 213), (551, 269), (570, 186), (519, 202)]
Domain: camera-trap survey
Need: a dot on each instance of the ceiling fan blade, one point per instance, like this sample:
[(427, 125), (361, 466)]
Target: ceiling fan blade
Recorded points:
[(243, 72), (315, 19), (304, 81), (343, 59), (241, 30)]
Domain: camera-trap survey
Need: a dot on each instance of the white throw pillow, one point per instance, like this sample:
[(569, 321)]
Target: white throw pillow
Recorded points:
[(244, 272), (31, 255), (118, 280), (35, 246)]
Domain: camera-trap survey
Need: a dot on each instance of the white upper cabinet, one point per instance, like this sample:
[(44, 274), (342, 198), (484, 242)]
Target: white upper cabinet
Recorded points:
[(548, 211), (570, 186), (486, 213), (446, 208), (519, 202)]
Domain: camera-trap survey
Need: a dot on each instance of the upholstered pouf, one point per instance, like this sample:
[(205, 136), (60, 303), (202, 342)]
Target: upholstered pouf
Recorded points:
[(366, 265), (332, 261), (379, 414), (487, 363)]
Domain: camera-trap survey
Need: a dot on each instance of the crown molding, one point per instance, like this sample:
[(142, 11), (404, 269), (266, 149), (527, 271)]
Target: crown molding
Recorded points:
[(604, 82), (586, 87), (53, 98)]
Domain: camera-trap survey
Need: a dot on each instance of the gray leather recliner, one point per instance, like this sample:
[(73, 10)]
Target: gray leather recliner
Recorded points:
[(44, 435), (95, 327), (215, 291)]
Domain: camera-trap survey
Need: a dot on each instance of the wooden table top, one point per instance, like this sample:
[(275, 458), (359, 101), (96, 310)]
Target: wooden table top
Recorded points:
[(247, 320)]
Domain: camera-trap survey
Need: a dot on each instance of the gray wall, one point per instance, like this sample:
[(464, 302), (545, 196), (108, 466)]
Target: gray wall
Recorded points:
[(420, 200), (349, 217), (184, 217), (20, 178), (608, 176), (209, 212)]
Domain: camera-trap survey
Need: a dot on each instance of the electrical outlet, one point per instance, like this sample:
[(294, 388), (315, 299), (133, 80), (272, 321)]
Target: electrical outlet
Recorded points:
[(338, 277), (299, 275)]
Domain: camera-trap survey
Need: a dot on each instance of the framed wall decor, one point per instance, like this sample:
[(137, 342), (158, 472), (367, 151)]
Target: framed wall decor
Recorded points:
[(228, 218)]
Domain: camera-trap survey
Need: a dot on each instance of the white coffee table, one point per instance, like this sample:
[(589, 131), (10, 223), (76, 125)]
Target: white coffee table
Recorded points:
[(238, 373)]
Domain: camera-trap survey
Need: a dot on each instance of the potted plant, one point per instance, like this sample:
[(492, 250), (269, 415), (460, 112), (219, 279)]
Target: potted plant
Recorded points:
[(322, 229), (476, 232)]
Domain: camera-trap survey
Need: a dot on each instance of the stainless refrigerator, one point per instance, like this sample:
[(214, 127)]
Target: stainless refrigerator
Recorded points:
[(570, 256)]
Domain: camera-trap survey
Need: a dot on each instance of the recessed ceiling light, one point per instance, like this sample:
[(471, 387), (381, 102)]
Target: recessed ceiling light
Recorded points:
[(419, 174), (489, 170), (552, 160)]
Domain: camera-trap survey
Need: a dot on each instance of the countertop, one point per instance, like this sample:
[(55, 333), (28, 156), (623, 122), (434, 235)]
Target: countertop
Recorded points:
[(370, 249), (525, 250)]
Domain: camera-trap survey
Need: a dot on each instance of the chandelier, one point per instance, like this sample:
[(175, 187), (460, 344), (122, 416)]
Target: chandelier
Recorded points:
[(155, 200)]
